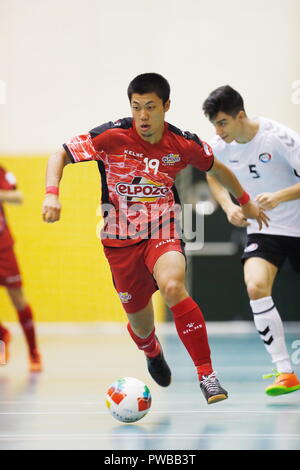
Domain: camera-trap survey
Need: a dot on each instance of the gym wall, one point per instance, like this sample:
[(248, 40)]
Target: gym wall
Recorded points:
[(64, 68)]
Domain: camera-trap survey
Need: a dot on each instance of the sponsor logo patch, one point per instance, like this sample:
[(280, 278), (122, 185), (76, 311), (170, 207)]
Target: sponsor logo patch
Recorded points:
[(125, 297), (141, 190), (251, 248), (171, 159)]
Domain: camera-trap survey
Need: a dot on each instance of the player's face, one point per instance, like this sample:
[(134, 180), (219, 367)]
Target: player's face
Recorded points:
[(148, 112), (227, 127)]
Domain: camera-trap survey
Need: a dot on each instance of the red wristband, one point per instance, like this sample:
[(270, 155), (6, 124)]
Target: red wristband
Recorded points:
[(52, 190), (244, 199)]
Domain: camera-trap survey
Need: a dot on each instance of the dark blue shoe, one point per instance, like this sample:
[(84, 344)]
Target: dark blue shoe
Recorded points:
[(159, 369)]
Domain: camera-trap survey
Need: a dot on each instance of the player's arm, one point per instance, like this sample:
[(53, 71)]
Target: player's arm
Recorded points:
[(55, 168), (269, 201), (288, 146), (233, 211), (228, 181), (12, 196)]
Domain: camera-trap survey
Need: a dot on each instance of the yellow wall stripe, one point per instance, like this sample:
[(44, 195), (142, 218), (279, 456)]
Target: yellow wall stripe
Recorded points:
[(66, 275)]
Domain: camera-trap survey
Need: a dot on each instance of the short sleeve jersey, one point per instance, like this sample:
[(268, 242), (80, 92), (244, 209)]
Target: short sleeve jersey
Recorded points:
[(138, 178), (268, 163), (7, 183)]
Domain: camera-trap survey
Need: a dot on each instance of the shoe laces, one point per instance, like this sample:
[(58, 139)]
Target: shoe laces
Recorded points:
[(274, 374), (211, 382)]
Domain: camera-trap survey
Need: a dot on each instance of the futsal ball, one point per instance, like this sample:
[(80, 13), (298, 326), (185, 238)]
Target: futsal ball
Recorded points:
[(128, 399)]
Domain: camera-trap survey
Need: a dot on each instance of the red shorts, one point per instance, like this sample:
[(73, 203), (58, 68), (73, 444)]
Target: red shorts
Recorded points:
[(9, 270), (132, 268)]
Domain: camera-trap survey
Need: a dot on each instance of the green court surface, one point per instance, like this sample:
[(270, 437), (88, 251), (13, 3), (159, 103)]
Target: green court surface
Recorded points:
[(64, 407)]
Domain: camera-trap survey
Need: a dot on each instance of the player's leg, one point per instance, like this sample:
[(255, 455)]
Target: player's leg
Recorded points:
[(259, 277), (25, 316), (8, 270), (169, 273), (142, 322), (142, 330), (5, 338), (135, 286)]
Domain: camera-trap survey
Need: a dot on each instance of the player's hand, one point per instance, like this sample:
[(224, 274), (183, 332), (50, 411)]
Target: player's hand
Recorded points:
[(51, 208), (267, 201), (236, 216), (253, 211)]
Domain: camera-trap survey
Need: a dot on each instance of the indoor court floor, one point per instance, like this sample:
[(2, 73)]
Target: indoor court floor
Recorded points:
[(64, 407)]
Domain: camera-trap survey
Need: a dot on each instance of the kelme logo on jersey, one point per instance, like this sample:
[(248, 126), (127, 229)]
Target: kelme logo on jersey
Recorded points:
[(125, 297), (133, 154), (171, 159), (265, 157), (141, 191)]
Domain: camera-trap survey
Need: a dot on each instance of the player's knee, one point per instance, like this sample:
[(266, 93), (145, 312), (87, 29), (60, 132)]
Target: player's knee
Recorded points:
[(172, 289), (257, 290)]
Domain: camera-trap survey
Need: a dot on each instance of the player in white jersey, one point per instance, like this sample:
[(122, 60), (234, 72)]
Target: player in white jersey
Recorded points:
[(265, 156)]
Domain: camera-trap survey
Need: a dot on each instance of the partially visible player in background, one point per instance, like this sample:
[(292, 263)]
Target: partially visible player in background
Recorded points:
[(10, 276), (265, 157)]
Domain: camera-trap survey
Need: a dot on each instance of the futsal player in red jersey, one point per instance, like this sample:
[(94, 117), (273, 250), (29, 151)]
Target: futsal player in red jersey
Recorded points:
[(138, 159), (10, 276)]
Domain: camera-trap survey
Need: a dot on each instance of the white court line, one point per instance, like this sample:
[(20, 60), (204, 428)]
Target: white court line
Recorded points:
[(44, 403), (276, 412), (144, 436)]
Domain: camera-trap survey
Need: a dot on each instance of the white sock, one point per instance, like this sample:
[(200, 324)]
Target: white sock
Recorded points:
[(270, 327)]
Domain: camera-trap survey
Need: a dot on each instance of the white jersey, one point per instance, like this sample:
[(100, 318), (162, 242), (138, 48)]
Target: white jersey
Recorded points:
[(268, 163)]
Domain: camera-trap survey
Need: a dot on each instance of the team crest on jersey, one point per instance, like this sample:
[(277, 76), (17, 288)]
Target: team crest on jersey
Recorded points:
[(171, 159), (125, 297), (142, 190), (265, 157)]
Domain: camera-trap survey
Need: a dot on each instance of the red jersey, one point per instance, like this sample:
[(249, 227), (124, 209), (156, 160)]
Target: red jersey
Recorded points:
[(138, 191), (8, 183)]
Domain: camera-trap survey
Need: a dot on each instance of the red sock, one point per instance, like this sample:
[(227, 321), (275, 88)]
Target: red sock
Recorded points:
[(149, 345), (191, 329), (26, 320)]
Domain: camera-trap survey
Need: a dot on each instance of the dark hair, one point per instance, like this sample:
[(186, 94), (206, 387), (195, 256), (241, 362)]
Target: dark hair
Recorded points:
[(150, 83), (224, 99)]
